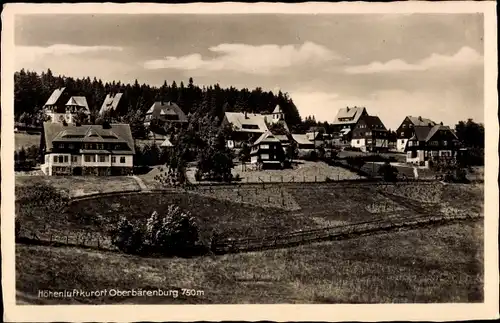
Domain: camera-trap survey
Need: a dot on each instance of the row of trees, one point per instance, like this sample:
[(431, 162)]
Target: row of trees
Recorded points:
[(31, 91)]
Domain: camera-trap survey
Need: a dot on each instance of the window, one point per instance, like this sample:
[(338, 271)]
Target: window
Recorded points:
[(102, 158), (402, 134), (445, 143), (71, 146), (403, 126), (357, 141), (60, 146), (74, 159), (264, 146), (113, 159), (66, 159), (87, 158), (61, 159), (264, 156), (122, 160), (249, 126), (55, 159), (369, 133), (410, 125), (100, 146)]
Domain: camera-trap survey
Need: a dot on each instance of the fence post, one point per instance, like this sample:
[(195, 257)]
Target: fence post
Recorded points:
[(315, 178), (98, 244), (270, 178), (67, 239), (281, 178), (338, 177)]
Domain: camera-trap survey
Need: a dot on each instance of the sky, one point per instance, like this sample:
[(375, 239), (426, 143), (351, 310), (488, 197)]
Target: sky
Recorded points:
[(428, 65)]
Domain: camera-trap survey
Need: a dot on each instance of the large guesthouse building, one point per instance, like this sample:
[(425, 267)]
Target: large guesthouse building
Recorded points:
[(70, 149)]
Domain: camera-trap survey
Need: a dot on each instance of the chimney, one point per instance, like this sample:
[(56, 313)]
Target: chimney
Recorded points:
[(347, 109), (441, 123), (419, 118), (246, 115)]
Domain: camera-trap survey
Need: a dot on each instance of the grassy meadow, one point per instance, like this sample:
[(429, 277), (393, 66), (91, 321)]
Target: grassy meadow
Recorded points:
[(434, 264), (430, 264)]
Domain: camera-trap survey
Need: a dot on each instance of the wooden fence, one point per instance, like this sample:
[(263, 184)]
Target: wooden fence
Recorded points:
[(92, 240), (332, 233)]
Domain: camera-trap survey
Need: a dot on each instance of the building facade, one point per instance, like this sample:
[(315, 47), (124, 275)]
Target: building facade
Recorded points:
[(98, 150), (162, 113), (406, 130), (431, 143), (268, 150), (370, 135), (248, 127), (61, 107), (346, 119)]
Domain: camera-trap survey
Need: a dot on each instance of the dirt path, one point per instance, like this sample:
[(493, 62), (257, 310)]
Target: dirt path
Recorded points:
[(141, 183)]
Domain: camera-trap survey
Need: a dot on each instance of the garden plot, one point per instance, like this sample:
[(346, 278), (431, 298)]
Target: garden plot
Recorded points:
[(305, 171)]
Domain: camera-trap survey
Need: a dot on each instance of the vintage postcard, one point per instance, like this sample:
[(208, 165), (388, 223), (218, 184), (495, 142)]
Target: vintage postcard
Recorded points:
[(281, 162)]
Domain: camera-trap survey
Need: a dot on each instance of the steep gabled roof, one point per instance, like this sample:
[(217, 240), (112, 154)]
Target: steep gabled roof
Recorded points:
[(277, 109), (437, 128), (354, 113), (110, 102), (266, 137), (423, 133), (373, 122), (55, 96), (420, 122), (80, 101), (255, 123), (118, 133), (166, 108), (301, 139)]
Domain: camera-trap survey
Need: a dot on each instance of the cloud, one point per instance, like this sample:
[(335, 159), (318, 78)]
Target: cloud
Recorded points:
[(447, 105), (27, 54), (466, 56), (250, 59)]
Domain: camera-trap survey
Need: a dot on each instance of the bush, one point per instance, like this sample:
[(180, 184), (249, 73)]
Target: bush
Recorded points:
[(388, 172), (175, 233), (127, 237)]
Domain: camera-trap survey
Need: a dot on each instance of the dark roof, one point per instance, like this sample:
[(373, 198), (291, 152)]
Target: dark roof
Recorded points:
[(423, 133), (166, 108), (419, 121), (118, 133), (372, 122)]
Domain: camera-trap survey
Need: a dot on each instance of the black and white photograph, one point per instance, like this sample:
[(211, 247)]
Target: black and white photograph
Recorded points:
[(273, 157)]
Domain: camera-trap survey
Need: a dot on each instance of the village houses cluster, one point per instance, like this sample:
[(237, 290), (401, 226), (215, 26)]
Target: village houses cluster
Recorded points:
[(71, 148)]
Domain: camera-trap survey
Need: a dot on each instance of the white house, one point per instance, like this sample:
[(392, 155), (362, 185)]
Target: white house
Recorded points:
[(87, 149), (61, 107), (246, 126)]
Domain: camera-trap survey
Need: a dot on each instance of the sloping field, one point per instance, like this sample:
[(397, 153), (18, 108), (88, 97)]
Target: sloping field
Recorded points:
[(74, 186), (435, 264), (26, 140), (233, 219)]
